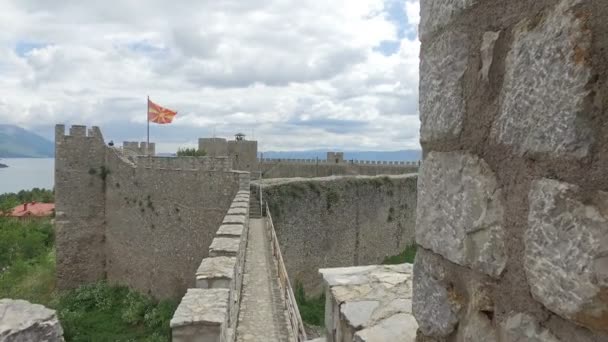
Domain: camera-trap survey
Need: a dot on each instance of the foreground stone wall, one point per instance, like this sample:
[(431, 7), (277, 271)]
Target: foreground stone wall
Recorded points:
[(512, 216), (340, 221), (369, 304)]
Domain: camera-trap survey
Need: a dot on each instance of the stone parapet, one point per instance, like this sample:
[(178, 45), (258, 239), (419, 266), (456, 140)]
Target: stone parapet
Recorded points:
[(223, 269), (369, 303), (201, 316)]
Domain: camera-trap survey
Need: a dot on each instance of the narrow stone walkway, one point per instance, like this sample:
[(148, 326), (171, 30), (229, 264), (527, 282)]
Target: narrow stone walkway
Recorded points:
[(260, 318)]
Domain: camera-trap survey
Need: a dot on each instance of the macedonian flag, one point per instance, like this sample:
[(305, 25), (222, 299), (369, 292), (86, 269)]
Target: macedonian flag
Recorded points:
[(158, 114)]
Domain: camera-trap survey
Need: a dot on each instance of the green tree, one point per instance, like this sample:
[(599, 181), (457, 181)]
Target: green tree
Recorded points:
[(191, 152)]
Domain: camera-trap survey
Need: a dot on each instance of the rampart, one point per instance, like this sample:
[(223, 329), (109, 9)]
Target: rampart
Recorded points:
[(308, 168), (339, 221), (209, 310), (142, 225), (512, 217)]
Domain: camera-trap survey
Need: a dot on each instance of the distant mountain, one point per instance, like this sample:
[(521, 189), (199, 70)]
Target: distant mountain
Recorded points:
[(402, 155), (16, 142)]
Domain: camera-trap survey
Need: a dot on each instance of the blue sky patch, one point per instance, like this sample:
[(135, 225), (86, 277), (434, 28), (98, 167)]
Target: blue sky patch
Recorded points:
[(23, 47)]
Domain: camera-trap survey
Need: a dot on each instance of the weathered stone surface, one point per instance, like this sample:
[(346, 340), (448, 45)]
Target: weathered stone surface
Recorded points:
[(566, 248), (371, 302), (476, 327), (547, 70), (435, 14), (237, 211), (401, 327), (215, 272), (487, 53), (22, 321), (201, 306), (432, 304), (224, 247), (460, 211), (443, 64), (230, 230), (234, 219), (239, 205), (521, 327)]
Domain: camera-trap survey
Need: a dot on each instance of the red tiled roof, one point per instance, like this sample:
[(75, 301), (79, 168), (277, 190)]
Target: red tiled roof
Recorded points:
[(33, 209)]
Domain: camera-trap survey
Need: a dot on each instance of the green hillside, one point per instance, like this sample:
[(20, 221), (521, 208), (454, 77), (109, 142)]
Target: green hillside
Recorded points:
[(16, 142)]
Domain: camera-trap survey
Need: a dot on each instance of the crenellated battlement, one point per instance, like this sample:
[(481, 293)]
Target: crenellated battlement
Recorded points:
[(139, 148), (78, 131), (343, 162)]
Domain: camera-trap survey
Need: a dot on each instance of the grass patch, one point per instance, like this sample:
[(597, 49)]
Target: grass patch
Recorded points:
[(407, 256), (311, 309), (100, 312)]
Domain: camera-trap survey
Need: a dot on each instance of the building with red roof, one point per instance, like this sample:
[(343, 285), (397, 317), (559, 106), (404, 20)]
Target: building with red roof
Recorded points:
[(33, 210)]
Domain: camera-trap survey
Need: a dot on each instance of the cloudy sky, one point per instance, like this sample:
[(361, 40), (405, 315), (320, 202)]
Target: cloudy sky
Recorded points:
[(296, 75)]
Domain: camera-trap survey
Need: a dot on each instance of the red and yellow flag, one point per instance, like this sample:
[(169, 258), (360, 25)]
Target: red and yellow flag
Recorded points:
[(158, 114)]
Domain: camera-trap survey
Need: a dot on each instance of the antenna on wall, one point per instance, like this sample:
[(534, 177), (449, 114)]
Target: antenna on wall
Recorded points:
[(214, 132)]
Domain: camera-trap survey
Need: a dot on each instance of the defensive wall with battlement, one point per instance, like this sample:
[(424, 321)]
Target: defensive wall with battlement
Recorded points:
[(145, 222), (244, 156)]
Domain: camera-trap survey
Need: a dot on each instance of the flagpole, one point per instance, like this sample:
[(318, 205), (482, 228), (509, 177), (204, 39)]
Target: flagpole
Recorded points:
[(148, 121)]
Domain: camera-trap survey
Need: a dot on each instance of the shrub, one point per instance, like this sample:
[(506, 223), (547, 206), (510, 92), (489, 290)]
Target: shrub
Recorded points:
[(407, 256), (191, 152), (311, 309)]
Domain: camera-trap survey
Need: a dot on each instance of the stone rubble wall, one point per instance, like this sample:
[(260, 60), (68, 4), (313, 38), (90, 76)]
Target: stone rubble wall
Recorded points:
[(369, 304), (512, 213), (339, 222), (205, 312)]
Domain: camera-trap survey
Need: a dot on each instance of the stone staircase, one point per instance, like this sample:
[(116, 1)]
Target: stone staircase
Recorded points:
[(255, 211)]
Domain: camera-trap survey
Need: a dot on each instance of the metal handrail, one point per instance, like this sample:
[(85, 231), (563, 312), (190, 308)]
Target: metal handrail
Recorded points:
[(295, 320)]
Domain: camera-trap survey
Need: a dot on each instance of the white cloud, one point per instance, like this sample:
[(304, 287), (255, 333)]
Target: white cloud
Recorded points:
[(302, 74)]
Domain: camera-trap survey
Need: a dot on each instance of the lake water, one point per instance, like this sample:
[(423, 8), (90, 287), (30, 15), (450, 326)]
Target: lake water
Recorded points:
[(26, 173)]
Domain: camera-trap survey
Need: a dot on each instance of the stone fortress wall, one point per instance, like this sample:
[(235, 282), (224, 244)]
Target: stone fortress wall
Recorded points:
[(339, 221), (512, 215), (147, 227)]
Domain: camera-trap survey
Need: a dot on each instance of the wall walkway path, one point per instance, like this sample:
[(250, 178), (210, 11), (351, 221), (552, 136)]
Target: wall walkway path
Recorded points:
[(261, 317)]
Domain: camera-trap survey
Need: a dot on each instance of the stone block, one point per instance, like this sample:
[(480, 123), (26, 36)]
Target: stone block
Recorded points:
[(224, 247), (433, 301), (230, 230), (237, 211), (201, 316), (545, 88), (460, 211), (436, 14), (234, 219), (442, 106), (369, 303), (566, 252), (23, 321), (239, 205), (241, 199), (215, 272)]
